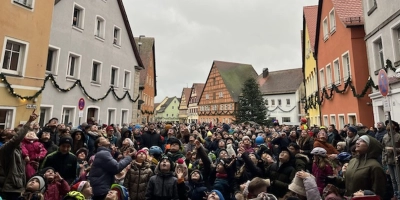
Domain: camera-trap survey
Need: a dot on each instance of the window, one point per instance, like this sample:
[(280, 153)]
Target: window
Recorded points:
[(67, 115), (52, 59), (114, 76), (78, 16), (6, 117), (352, 119), (279, 102), (73, 66), (326, 32), (207, 96), (322, 78), (285, 119), (111, 116), (127, 79), (266, 102), (332, 21), (14, 57), (96, 69), (346, 66), (25, 3), (172, 107), (336, 71), (100, 27), (371, 6), (288, 102), (221, 107), (214, 95), (221, 95), (379, 57), (326, 122), (396, 39), (341, 121), (117, 36), (328, 75), (333, 120), (273, 102)]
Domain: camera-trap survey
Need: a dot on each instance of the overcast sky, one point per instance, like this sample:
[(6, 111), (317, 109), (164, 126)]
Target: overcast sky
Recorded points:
[(191, 34)]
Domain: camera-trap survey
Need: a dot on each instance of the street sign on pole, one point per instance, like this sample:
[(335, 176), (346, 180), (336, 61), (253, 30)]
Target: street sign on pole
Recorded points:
[(383, 83), (81, 104)]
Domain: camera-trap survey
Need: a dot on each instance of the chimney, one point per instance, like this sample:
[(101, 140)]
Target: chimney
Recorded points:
[(265, 72)]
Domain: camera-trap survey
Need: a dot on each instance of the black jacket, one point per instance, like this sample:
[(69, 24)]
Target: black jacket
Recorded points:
[(65, 164), (280, 177), (150, 139)]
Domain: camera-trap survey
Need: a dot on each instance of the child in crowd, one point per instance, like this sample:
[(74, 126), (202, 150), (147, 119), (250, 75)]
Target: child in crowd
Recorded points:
[(33, 152), (57, 187), (34, 189), (163, 185), (84, 188)]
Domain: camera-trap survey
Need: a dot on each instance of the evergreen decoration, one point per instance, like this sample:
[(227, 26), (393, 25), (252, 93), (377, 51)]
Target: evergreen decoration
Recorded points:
[(221, 112), (147, 112), (251, 106), (50, 77)]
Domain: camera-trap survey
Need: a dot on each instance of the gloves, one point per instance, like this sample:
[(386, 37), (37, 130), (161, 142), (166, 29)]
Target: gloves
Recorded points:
[(330, 180)]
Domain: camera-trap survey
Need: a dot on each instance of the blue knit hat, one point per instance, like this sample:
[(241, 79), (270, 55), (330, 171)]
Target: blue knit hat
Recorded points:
[(221, 197)]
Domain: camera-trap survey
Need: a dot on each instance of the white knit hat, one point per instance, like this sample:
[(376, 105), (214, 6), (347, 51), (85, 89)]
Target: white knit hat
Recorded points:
[(297, 186)]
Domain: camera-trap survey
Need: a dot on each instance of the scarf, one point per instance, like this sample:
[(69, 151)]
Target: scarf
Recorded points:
[(222, 176)]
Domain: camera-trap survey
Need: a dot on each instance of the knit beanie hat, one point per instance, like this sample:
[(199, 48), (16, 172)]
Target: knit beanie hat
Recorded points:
[(259, 140), (219, 194), (209, 134), (141, 151), (297, 186), (122, 192), (174, 140), (131, 144), (196, 171), (352, 129), (65, 140), (84, 150), (78, 186), (246, 138), (109, 128), (180, 164), (42, 183), (365, 138)]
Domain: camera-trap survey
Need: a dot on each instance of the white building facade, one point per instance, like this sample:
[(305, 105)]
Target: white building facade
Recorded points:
[(382, 29), (91, 41), (283, 107)]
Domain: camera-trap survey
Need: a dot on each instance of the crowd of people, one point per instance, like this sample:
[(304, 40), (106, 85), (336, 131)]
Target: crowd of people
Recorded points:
[(163, 161)]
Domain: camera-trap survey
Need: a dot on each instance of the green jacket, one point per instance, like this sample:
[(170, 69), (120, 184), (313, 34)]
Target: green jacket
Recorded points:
[(365, 173)]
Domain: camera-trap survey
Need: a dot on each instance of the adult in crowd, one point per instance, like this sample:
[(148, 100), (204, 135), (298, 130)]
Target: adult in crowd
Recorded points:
[(381, 131), (151, 138), (12, 166), (105, 167), (44, 138)]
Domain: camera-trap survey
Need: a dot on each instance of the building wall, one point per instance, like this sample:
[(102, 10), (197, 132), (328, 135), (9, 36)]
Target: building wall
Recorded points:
[(387, 17), (193, 109), (30, 27), (344, 108), (149, 91), (171, 113), (207, 114), (311, 78), (183, 108), (83, 42), (280, 112)]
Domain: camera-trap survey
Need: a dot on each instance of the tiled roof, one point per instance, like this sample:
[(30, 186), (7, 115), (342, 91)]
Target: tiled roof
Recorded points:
[(234, 75), (350, 12), (147, 54), (281, 82), (198, 87), (186, 92), (310, 15), (166, 104)]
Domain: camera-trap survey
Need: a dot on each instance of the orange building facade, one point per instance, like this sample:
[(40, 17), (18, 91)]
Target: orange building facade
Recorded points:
[(221, 92), (340, 52)]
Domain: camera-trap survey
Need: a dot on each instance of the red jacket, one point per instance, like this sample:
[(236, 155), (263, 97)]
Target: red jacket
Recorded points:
[(34, 149), (56, 190)]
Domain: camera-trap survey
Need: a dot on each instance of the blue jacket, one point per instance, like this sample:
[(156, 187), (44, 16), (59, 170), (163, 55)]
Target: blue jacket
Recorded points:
[(103, 170)]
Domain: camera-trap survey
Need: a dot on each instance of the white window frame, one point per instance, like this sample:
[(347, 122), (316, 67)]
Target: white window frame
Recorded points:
[(396, 41), (77, 67), (325, 28), (81, 24), (128, 84), (288, 104), (117, 41), (98, 111), (341, 124), (122, 116), (27, 4), (346, 68), (100, 34), (326, 120), (350, 115), (290, 119), (322, 78), (221, 95), (328, 75), (55, 60), (99, 70), (272, 102), (22, 59), (207, 96), (336, 72), (332, 120), (47, 115), (114, 120), (332, 21), (71, 115), (379, 54), (116, 79), (10, 123)]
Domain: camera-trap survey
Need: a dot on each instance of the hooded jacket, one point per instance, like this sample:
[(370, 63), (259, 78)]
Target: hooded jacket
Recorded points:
[(136, 180), (302, 162), (365, 172), (196, 189), (150, 139), (280, 176), (163, 185), (388, 154)]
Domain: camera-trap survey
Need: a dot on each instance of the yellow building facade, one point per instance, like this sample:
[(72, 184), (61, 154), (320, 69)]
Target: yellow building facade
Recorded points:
[(310, 65), (24, 42)]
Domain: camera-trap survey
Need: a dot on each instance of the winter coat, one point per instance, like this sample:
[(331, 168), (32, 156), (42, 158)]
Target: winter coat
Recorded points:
[(387, 153), (197, 190), (223, 185), (56, 190), (162, 186), (136, 180), (92, 137), (351, 143), (380, 133), (330, 149), (302, 162), (320, 175), (333, 137), (281, 177), (50, 146), (150, 139), (36, 152), (307, 145), (175, 156), (103, 170), (365, 172), (12, 166)]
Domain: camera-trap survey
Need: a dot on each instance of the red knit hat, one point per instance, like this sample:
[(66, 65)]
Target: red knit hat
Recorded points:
[(78, 186), (141, 151), (109, 128)]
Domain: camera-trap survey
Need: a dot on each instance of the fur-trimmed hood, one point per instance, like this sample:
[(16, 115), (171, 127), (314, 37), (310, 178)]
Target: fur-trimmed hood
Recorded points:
[(302, 156)]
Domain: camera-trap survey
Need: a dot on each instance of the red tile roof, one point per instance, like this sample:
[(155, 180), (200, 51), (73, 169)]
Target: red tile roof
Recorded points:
[(281, 82), (310, 15), (186, 92), (350, 12), (198, 87)]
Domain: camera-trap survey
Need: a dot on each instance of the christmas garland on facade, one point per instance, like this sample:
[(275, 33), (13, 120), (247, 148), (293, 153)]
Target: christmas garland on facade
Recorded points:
[(228, 112), (50, 77), (147, 112)]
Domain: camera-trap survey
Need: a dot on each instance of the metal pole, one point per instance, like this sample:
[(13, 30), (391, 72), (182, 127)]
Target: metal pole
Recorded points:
[(394, 150), (80, 122)]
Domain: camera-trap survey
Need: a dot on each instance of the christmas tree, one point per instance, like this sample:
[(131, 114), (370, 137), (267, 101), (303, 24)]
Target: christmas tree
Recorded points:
[(251, 106)]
